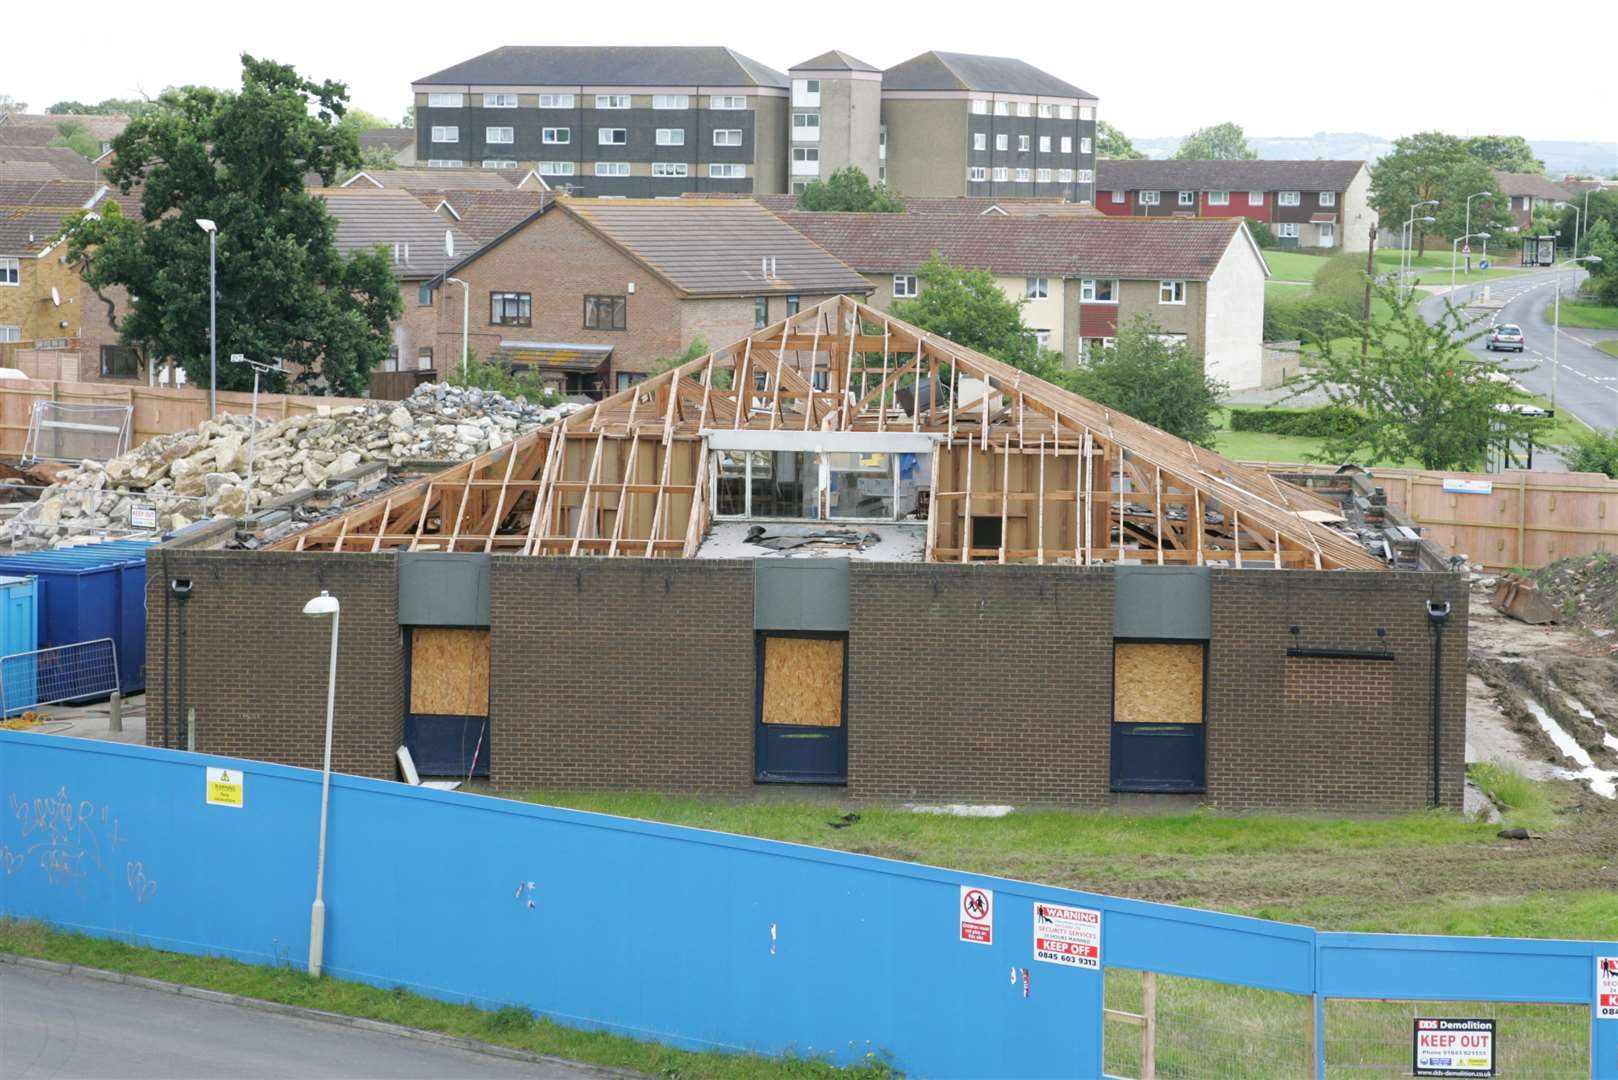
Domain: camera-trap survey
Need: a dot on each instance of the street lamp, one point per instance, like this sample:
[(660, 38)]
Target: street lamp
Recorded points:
[(466, 314), (259, 368), (1468, 226), (1453, 253), (1406, 260), (1576, 220), (323, 605), (1556, 325), (212, 230)]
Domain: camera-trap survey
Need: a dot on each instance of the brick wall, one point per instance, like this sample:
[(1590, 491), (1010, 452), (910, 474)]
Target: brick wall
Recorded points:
[(256, 666), (623, 673), (1334, 735), (979, 682)]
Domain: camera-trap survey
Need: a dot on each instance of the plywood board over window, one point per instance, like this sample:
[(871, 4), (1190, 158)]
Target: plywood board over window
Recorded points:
[(803, 681), (1157, 684), (449, 672)]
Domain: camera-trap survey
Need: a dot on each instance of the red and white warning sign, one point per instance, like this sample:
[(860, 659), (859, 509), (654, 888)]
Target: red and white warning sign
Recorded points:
[(977, 914), (1067, 935), (1607, 988)]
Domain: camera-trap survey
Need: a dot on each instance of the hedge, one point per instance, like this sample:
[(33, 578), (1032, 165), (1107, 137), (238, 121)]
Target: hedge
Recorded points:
[(1319, 422)]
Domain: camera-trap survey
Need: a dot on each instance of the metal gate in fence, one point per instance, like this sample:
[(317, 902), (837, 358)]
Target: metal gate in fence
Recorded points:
[(83, 671)]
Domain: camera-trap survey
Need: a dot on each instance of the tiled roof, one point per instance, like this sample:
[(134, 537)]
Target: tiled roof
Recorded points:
[(1137, 248), (1537, 185), (101, 126), (31, 211), (393, 138), (485, 215), (714, 247), (836, 60), (64, 164), (429, 179), (614, 65), (1122, 175), (368, 218), (963, 71), (952, 205)]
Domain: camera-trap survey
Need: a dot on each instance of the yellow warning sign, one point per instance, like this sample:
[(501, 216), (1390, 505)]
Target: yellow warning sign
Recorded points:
[(225, 787)]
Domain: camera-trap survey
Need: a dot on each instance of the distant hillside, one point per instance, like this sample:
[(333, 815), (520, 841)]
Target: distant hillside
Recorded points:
[(1559, 157)]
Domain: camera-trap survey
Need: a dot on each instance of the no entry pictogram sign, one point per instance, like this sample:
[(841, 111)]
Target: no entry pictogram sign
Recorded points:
[(977, 915)]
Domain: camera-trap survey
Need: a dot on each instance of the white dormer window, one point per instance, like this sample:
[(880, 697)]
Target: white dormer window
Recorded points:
[(444, 101), (980, 106)]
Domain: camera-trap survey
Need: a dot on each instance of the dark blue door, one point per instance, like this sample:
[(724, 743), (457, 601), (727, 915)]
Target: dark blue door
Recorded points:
[(1159, 741), (1158, 757), (801, 735)]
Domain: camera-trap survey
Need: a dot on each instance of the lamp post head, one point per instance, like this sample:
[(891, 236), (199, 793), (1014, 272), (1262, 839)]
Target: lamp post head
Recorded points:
[(1481, 235), (1589, 258), (1481, 195), (1428, 220), (324, 604), (206, 225)]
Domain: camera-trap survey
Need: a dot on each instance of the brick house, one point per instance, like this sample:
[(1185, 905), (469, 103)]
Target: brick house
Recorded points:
[(1528, 192), (595, 291), (1307, 204)]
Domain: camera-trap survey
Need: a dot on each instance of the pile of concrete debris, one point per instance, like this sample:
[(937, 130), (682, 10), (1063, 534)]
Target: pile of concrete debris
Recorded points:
[(219, 470)]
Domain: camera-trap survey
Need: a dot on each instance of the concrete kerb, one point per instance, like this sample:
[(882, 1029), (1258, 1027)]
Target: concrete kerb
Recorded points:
[(360, 1023)]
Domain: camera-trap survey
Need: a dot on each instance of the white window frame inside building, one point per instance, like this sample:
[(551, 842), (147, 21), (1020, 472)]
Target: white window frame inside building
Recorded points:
[(612, 136), (445, 101), (1288, 198), (556, 136), (671, 136), (1171, 291), (612, 101), (612, 168), (1098, 290), (718, 170), (671, 101), (1218, 198), (727, 102), (670, 168), (446, 133), (1036, 288), (556, 168), (1150, 198), (727, 136), (499, 101), (556, 101), (1328, 198), (500, 136), (1001, 174), (1286, 230), (977, 174), (905, 286), (1187, 198)]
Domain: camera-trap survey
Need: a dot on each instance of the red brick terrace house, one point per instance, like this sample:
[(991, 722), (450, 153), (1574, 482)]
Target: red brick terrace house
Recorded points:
[(1308, 204), (1527, 192)]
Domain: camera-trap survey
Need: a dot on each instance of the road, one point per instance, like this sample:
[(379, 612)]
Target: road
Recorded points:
[(1586, 383), (59, 1026)]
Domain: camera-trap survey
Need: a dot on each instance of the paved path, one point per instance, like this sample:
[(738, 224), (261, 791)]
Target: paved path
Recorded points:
[(59, 1026)]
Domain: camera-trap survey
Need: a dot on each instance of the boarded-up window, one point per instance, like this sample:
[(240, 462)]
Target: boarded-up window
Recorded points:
[(1157, 684), (449, 672), (803, 681)]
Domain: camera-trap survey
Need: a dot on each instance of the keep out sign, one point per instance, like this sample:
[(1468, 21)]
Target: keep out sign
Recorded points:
[(1445, 1047)]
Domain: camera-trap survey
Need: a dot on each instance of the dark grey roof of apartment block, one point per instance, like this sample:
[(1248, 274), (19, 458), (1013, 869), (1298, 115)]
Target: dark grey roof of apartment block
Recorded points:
[(963, 71), (1146, 175), (613, 65), (836, 60)]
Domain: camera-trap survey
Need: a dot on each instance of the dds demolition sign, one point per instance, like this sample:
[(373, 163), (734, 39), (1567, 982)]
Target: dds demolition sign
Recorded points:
[(1443, 1047)]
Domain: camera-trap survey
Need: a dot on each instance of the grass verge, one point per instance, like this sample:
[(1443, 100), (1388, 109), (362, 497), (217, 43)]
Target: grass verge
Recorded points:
[(1588, 316), (513, 1027), (1520, 800), (1609, 347)]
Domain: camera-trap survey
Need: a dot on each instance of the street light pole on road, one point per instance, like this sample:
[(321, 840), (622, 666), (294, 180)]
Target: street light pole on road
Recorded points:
[(1468, 228), (1556, 325), (213, 330), (1452, 254), (1576, 220), (1406, 258), (320, 606)]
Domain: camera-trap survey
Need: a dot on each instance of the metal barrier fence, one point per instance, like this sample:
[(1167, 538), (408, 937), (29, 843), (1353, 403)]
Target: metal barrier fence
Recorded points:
[(82, 671), (63, 431)]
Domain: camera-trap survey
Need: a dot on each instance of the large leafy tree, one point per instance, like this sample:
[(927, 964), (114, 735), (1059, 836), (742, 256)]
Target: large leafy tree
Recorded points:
[(239, 159), (1509, 153), (968, 307), (105, 107), (1419, 168), (1468, 177), (1423, 396), (1149, 378), (1602, 242), (849, 190), (1114, 144), (1220, 142)]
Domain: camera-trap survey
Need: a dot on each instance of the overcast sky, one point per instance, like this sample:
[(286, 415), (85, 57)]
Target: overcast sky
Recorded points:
[(1277, 67)]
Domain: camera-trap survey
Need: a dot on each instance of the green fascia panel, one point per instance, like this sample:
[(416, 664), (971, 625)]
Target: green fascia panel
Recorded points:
[(443, 588), (800, 594), (1165, 603)]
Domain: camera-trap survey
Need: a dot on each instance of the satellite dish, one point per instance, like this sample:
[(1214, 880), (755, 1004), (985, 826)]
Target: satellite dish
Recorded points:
[(449, 242), (56, 296)]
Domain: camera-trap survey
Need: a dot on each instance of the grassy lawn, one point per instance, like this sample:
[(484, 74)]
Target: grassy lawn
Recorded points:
[(1278, 289), (1293, 265), (508, 1027), (1588, 316), (1261, 445), (1433, 267), (1610, 347)]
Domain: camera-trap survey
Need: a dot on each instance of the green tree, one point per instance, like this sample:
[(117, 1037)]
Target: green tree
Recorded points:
[(1151, 379), (1468, 177), (239, 159), (849, 190), (106, 107), (408, 120), (968, 307), (1602, 242), (1592, 451), (1424, 397), (1114, 144), (1220, 142), (10, 106), (518, 382), (359, 121), (1508, 153), (1419, 168), (77, 138)]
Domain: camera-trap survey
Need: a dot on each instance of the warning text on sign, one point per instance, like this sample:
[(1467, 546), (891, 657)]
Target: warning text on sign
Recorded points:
[(1067, 935)]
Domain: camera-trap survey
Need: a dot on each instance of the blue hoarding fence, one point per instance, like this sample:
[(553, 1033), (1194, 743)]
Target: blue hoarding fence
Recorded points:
[(697, 939)]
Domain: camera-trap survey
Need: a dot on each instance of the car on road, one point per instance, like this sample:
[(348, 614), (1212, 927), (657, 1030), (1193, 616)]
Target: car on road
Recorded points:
[(1505, 337)]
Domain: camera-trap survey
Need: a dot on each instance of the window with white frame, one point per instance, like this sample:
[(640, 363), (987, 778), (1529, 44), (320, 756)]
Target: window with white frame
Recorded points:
[(1002, 108), (1042, 338), (1084, 144), (10, 333), (445, 163), (882, 143), (671, 101), (1087, 176), (510, 308), (1255, 198), (727, 172), (980, 107), (555, 168), (1287, 230), (556, 101), (728, 101), (671, 136), (499, 135), (1287, 198), (1044, 144), (1002, 142), (806, 126), (1087, 112), (1188, 198), (1036, 288), (1119, 197), (1098, 291), (980, 140), (1065, 112), (977, 174), (445, 101), (499, 163), (1042, 176), (1022, 144), (1064, 176), (670, 168), (612, 101), (806, 91), (727, 137), (499, 101), (446, 133), (905, 285), (1218, 198), (612, 136), (1023, 176), (1171, 292), (1047, 111), (1001, 174), (556, 136), (612, 168), (1150, 198), (1025, 108), (10, 270), (1092, 345), (1067, 144), (1328, 198)]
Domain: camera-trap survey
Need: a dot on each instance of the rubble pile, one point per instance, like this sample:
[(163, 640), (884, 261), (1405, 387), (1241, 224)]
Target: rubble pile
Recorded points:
[(205, 472)]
